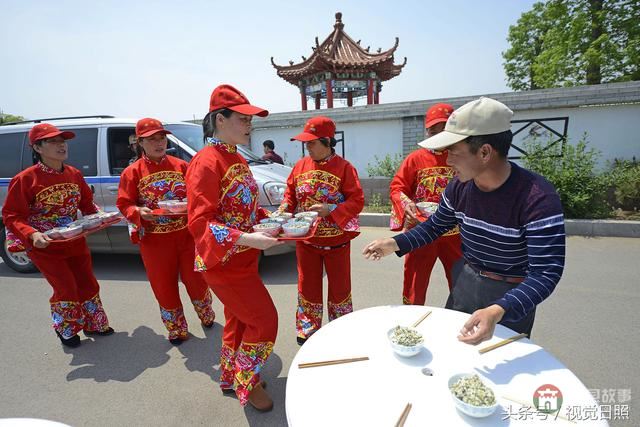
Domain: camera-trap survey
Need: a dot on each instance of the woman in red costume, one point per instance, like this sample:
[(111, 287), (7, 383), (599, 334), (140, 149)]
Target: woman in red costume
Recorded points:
[(48, 195), (325, 183), (166, 246), (223, 207)]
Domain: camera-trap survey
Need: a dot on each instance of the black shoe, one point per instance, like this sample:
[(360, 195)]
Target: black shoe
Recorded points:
[(104, 333), (301, 340), (208, 325), (176, 341), (72, 342)]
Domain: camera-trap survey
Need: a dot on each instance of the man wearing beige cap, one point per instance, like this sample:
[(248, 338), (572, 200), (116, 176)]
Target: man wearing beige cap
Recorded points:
[(511, 225)]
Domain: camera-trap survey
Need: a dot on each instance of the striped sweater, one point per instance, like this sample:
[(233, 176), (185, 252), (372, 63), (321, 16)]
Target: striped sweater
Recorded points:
[(515, 230)]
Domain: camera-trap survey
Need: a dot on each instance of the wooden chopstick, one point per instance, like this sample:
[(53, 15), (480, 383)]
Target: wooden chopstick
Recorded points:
[(404, 415), (331, 362), (421, 319), (526, 405), (501, 343)]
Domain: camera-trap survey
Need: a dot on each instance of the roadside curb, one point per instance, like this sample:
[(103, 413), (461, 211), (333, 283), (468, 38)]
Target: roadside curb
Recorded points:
[(573, 227)]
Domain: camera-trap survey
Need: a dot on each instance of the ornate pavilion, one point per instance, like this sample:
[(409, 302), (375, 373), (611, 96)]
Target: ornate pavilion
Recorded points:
[(339, 68)]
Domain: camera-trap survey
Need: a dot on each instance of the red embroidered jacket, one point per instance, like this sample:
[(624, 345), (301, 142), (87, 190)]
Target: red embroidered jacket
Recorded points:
[(335, 182), (422, 177), (145, 183), (41, 198), (222, 203)]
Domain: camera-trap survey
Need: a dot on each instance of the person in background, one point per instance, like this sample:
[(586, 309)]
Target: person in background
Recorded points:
[(47, 195), (270, 154), (133, 146), (422, 177), (166, 247)]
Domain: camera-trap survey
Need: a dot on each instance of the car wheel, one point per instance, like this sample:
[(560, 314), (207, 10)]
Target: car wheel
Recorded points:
[(18, 261)]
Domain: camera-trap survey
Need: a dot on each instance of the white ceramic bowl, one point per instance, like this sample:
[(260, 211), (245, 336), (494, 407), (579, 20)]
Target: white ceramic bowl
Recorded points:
[(466, 408), (178, 207), (296, 228), (404, 350), (274, 220), (93, 216), (55, 233), (109, 216), (271, 228), (166, 204), (308, 216), (285, 215), (427, 208), (91, 223), (71, 231)]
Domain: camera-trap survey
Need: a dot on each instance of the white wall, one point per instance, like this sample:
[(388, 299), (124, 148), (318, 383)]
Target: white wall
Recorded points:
[(363, 141)]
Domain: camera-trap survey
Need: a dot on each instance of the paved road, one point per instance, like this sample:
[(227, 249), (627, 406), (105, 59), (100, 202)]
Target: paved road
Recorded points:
[(136, 377)]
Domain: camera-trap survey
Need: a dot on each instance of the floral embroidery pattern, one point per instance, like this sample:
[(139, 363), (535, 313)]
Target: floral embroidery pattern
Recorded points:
[(67, 318), (308, 317), (198, 264), (175, 322), (55, 206), (249, 360), (227, 367), (95, 318), (203, 308), (220, 145), (163, 185), (340, 309), (13, 243), (220, 232)]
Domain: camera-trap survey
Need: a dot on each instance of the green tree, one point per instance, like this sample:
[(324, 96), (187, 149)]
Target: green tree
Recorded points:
[(8, 118), (574, 42), (387, 166)]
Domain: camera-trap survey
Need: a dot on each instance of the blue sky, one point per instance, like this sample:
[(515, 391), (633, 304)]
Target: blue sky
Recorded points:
[(163, 58)]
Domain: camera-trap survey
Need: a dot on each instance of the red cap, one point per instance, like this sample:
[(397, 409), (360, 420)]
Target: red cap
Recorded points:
[(227, 96), (45, 130), (316, 128), (148, 126), (437, 113)]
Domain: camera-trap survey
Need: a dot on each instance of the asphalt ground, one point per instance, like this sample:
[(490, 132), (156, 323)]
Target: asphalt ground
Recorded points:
[(137, 378)]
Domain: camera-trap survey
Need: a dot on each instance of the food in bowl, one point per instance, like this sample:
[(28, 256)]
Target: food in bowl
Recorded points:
[(55, 233), (296, 228), (109, 216), (307, 216), (271, 228), (91, 223), (166, 204), (71, 231), (405, 342), (285, 215), (178, 207), (427, 208), (472, 396), (273, 219)]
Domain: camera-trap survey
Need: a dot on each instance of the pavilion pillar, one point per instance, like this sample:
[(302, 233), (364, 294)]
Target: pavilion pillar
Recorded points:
[(303, 98), (369, 92), (376, 97), (349, 99), (318, 97), (329, 94)]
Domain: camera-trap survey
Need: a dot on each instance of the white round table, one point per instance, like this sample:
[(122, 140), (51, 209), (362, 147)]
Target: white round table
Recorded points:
[(376, 391)]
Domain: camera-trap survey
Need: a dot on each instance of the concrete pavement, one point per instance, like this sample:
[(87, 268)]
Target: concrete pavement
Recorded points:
[(135, 377)]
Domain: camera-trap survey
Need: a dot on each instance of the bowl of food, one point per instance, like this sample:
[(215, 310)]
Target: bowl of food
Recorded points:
[(271, 228), (296, 228), (71, 231), (93, 216), (166, 204), (178, 207), (109, 216), (55, 233), (285, 215), (91, 223), (307, 216), (472, 396), (274, 220), (427, 208), (405, 341)]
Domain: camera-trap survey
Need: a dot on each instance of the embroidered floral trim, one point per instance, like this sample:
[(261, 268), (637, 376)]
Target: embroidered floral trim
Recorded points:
[(219, 144), (340, 309), (95, 318), (46, 169), (152, 162), (308, 317), (227, 367), (250, 359), (326, 159), (198, 264), (175, 322), (204, 309), (67, 318)]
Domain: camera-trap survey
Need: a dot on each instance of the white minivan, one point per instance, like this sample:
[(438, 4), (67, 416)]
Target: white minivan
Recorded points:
[(100, 151)]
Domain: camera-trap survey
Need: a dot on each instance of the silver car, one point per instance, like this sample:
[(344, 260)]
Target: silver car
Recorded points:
[(101, 151)]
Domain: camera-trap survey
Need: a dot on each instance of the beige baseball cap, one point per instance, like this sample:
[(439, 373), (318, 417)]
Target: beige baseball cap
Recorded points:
[(483, 116)]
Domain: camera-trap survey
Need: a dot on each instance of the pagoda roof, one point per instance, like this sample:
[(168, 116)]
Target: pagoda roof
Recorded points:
[(339, 53)]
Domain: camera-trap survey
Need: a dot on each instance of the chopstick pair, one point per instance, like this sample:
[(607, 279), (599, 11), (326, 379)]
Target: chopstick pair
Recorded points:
[(501, 343), (331, 362), (421, 319), (404, 415)]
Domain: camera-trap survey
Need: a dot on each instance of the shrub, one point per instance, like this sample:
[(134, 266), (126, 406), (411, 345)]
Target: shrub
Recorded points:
[(387, 166), (624, 178)]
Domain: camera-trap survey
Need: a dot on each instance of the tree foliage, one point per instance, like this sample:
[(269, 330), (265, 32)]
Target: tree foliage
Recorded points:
[(8, 118), (574, 42)]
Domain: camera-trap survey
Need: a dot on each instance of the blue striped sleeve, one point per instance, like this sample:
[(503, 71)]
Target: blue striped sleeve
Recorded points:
[(424, 233), (546, 254)]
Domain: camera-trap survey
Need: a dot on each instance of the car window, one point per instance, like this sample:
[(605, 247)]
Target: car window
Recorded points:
[(83, 151), (118, 151), (11, 144)]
